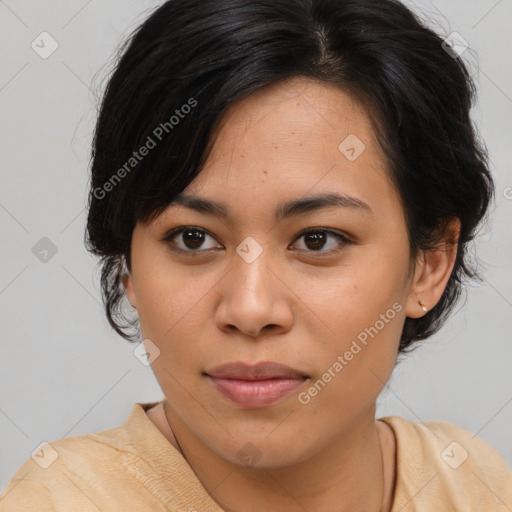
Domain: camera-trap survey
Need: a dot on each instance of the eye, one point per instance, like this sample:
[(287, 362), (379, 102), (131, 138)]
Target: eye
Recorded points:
[(191, 239), (316, 239)]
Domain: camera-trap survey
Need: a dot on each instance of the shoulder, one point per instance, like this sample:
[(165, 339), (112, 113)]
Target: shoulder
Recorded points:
[(64, 464), (85, 471), (439, 463)]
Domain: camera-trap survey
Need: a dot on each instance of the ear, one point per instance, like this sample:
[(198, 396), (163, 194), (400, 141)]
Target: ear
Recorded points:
[(128, 288), (432, 272)]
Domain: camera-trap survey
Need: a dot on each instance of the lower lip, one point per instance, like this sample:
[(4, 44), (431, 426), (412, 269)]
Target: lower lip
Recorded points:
[(256, 393)]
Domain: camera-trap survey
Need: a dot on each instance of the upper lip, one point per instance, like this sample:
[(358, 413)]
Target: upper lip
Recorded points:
[(261, 371)]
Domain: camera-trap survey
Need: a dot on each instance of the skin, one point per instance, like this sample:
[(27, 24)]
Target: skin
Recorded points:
[(295, 304)]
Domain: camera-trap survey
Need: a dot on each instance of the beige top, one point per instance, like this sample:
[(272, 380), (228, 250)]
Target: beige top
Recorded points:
[(440, 467)]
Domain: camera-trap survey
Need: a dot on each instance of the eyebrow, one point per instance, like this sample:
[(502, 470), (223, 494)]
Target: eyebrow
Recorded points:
[(283, 211)]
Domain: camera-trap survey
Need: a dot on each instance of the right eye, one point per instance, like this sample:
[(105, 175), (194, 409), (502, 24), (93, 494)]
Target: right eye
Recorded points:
[(187, 239)]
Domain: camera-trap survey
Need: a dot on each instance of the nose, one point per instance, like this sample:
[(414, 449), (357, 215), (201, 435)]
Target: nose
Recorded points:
[(254, 299)]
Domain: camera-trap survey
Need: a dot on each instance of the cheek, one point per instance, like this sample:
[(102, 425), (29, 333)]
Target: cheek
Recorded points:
[(363, 306), (354, 367), (351, 299), (174, 307), (164, 292)]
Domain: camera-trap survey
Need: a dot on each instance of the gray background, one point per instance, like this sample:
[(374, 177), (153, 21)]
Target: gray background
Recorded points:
[(64, 372)]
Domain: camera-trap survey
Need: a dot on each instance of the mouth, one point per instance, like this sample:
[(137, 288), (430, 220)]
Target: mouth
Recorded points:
[(255, 386)]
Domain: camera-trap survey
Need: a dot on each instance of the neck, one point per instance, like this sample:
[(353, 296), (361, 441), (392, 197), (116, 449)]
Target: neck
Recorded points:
[(348, 474)]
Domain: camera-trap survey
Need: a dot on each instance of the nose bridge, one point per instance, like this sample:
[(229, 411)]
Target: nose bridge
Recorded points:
[(253, 299), (251, 265)]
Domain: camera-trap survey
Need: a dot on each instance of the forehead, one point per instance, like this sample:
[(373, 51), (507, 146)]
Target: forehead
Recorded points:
[(288, 140), (300, 109), (298, 120)]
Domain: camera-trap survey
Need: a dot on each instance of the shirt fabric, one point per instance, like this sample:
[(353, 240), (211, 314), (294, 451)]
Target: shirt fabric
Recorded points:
[(439, 467)]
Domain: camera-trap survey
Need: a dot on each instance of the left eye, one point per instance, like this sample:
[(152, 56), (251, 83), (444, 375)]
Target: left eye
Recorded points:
[(191, 239), (315, 239)]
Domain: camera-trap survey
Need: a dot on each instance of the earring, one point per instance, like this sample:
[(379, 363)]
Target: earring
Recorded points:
[(423, 306)]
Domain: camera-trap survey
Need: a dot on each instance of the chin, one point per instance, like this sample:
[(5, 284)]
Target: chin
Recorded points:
[(262, 452)]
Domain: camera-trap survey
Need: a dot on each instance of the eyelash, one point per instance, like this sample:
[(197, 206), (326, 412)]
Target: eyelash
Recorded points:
[(168, 238)]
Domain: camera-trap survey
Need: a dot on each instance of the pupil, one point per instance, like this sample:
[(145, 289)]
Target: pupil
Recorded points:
[(193, 239), (317, 239)]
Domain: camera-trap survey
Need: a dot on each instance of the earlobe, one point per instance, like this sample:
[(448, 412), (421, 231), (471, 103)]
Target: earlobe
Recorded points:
[(433, 270)]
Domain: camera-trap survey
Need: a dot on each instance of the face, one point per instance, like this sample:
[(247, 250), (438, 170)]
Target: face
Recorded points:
[(322, 290)]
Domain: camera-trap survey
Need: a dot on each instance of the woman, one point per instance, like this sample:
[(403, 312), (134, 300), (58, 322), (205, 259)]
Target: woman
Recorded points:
[(284, 192)]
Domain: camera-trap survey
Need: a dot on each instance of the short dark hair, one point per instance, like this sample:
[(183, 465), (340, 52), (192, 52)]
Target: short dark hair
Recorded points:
[(207, 54)]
